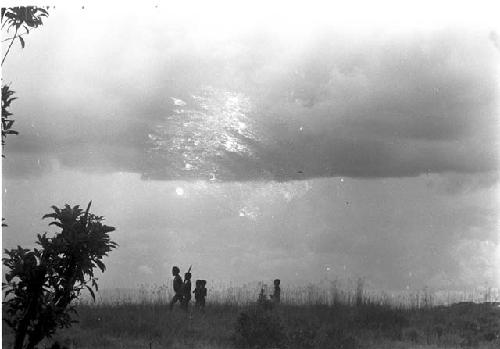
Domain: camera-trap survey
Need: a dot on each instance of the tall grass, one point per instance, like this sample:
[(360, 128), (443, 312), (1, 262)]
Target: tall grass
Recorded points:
[(349, 292), (152, 325), (325, 315)]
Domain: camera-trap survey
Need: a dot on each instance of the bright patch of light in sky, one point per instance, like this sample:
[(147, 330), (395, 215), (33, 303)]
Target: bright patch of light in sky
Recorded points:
[(179, 191), (215, 122)]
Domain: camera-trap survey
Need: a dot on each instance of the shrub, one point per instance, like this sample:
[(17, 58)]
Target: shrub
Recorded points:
[(332, 337), (411, 334), (387, 321), (42, 283), (259, 328), (303, 335)]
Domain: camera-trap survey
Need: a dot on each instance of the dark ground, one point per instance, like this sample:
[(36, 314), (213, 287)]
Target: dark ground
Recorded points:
[(283, 326)]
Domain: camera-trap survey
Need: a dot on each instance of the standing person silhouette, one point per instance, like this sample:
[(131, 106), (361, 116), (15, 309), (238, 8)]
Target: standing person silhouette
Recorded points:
[(276, 297), (178, 289), (200, 293), (186, 291)]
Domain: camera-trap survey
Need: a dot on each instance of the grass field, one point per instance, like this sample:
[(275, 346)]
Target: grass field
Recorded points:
[(360, 323)]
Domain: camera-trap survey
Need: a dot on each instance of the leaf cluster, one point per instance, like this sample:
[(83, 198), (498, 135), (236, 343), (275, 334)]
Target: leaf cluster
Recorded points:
[(42, 283), (23, 17), (7, 123)]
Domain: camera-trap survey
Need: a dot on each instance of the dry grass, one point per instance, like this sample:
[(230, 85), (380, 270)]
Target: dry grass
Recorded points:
[(311, 317), (325, 292)]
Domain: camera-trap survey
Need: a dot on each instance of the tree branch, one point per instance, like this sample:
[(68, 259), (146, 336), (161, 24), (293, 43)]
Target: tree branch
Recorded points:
[(8, 49), (12, 38)]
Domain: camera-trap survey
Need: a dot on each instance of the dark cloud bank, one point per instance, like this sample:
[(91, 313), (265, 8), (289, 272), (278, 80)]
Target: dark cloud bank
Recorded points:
[(257, 108)]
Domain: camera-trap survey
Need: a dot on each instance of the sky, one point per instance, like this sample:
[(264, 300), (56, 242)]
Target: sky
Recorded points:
[(304, 144)]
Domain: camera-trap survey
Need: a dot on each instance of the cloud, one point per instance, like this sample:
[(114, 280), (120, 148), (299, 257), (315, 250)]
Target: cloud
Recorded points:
[(381, 229), (455, 183), (495, 39), (260, 107)]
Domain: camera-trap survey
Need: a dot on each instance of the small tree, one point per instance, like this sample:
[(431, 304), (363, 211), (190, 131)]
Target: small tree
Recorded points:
[(41, 283)]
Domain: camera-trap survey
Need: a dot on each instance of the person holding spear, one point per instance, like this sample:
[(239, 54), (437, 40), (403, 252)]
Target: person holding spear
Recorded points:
[(186, 290)]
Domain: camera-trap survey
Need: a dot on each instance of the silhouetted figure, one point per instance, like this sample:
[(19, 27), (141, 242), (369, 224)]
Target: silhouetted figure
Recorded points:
[(262, 296), (186, 291), (177, 287), (200, 293), (276, 296), (263, 301)]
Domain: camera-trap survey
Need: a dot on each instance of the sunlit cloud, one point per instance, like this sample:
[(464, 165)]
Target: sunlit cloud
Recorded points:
[(199, 137)]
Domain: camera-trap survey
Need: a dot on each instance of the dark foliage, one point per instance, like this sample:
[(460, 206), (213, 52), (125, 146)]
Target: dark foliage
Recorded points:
[(21, 19), (41, 283), (27, 17), (302, 334), (465, 324), (335, 337), (385, 321), (259, 328), (7, 98)]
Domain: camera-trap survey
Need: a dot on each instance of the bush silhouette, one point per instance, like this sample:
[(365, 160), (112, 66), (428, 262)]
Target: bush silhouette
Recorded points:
[(388, 322), (41, 283), (259, 328), (335, 337)]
